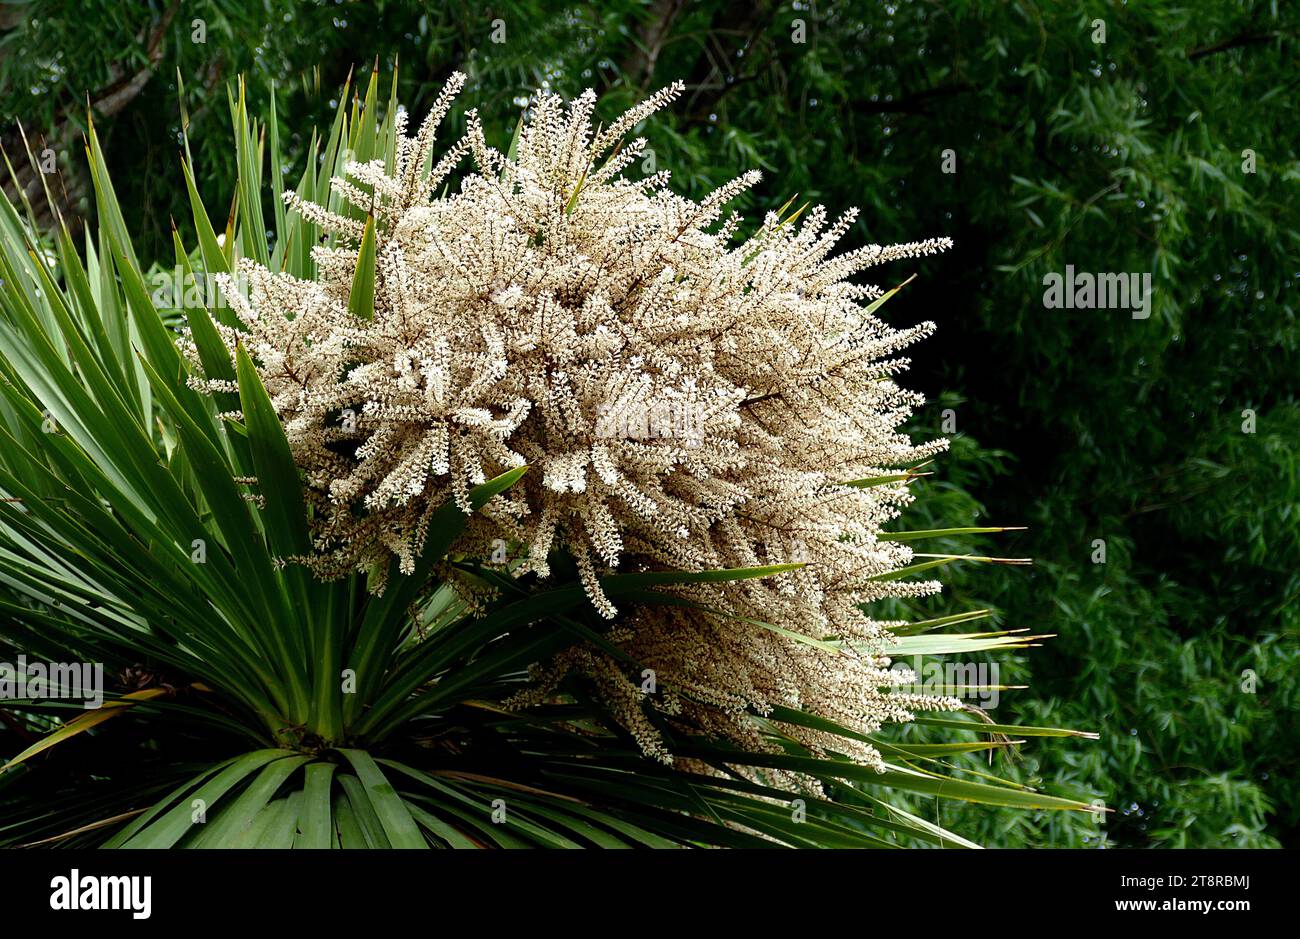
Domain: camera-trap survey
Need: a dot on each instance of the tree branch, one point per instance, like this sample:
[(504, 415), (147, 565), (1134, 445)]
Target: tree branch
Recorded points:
[(915, 102), (1245, 39)]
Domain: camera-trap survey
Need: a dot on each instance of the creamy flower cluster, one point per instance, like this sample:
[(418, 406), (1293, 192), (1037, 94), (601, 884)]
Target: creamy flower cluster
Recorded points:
[(685, 399)]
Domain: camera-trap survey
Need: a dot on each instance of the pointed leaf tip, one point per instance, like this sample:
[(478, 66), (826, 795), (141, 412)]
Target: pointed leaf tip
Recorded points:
[(361, 301)]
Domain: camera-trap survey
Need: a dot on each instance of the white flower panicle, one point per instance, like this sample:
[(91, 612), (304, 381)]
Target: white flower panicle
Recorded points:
[(684, 400)]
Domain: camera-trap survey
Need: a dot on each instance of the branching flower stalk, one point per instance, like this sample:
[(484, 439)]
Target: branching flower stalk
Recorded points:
[(686, 399)]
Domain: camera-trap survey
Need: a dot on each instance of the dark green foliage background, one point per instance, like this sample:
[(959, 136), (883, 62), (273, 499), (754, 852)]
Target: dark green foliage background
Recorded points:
[(1082, 424)]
